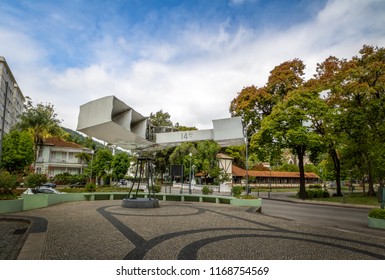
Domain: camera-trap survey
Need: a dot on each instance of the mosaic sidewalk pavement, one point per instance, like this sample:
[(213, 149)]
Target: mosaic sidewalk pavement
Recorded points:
[(103, 230)]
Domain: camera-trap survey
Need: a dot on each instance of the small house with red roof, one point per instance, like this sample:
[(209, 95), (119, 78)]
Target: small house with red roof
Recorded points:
[(57, 156), (275, 178)]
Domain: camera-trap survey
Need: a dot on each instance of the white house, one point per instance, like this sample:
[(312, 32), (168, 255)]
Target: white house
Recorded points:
[(57, 156)]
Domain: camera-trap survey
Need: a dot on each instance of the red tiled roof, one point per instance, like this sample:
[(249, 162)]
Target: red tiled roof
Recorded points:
[(53, 141), (239, 172)]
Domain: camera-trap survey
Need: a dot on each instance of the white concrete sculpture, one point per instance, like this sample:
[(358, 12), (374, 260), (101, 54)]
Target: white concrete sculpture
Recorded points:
[(111, 120)]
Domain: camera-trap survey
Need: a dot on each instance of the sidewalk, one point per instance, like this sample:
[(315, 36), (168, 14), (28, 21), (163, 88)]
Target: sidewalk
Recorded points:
[(102, 229)]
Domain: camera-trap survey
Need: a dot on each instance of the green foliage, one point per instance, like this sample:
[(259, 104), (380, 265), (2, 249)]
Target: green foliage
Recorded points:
[(85, 141), (67, 179), (248, 196), (339, 113), (205, 159), (377, 213), (238, 153), (102, 162), (17, 152), (315, 186), (156, 188), (160, 118), (8, 182), (162, 161), (40, 121), (288, 167), (207, 190), (236, 191), (90, 187), (35, 180), (316, 193), (120, 164)]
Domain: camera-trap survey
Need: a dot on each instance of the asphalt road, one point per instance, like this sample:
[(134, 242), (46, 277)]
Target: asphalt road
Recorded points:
[(336, 217)]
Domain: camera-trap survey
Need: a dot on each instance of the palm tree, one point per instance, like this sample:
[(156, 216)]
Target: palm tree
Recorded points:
[(84, 158), (41, 122)]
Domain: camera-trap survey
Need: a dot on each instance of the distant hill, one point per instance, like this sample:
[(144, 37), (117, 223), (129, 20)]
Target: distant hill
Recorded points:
[(83, 140)]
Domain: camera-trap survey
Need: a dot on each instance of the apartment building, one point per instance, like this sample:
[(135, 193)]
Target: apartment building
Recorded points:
[(11, 97), (57, 156)]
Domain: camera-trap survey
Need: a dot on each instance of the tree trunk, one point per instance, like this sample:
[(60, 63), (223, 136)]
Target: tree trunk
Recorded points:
[(371, 191), (337, 170), (302, 187)]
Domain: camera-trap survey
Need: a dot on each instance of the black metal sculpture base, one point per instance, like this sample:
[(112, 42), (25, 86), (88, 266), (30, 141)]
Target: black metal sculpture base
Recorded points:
[(140, 203), (142, 164)]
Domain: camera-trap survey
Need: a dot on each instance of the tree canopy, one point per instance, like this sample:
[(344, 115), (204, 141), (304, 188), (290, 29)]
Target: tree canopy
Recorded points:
[(41, 121), (17, 151), (340, 113)]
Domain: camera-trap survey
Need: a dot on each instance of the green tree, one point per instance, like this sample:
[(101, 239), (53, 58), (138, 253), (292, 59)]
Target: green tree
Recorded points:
[(120, 164), (289, 126), (238, 154), (17, 151), (161, 157), (162, 162), (84, 158), (101, 166), (181, 155), (328, 125), (253, 104), (205, 159), (41, 121), (160, 118), (8, 182), (35, 180), (358, 94)]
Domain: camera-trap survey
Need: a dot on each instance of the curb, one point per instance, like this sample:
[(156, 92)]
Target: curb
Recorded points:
[(346, 205)]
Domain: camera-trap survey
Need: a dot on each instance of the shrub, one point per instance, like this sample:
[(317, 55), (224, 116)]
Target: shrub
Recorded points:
[(90, 187), (316, 193), (237, 191), (35, 180), (315, 186), (249, 196), (377, 213), (7, 181), (67, 179), (156, 188), (207, 190)]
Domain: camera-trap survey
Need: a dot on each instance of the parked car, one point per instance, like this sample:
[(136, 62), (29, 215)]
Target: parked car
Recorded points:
[(123, 182), (46, 190), (78, 185), (49, 185)]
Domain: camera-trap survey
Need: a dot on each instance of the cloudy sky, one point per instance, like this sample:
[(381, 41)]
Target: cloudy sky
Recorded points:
[(189, 58)]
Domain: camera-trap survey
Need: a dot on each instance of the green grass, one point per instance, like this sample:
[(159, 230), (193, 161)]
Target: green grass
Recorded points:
[(351, 198), (355, 198)]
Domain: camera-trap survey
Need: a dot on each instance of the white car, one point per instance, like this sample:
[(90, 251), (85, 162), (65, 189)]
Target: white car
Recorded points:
[(42, 189)]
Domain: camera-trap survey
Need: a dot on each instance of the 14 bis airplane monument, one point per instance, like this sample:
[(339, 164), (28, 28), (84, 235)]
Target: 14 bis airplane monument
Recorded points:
[(111, 120)]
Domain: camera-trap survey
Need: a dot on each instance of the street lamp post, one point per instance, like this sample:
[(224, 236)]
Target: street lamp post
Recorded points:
[(193, 173), (92, 159), (270, 182), (247, 165), (189, 175)]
